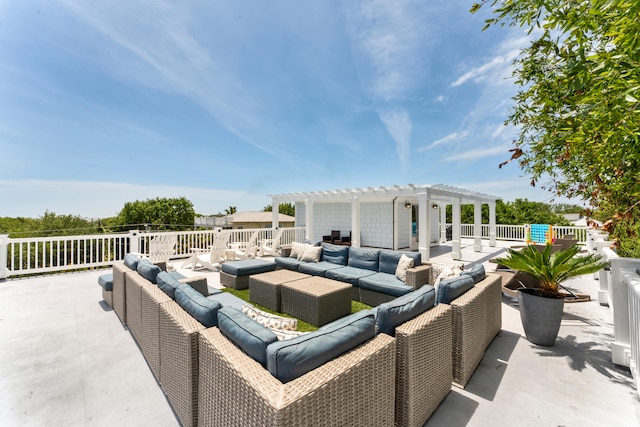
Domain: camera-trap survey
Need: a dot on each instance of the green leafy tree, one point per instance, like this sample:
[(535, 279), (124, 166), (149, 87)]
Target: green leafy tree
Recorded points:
[(158, 213), (283, 208), (578, 103), (230, 210), (518, 212)]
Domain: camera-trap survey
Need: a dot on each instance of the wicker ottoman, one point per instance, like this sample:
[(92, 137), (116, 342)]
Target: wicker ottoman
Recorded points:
[(235, 274), (264, 288), (106, 282), (316, 300)]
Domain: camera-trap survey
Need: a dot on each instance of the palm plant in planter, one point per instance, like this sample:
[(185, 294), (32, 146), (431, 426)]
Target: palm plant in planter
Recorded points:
[(541, 308)]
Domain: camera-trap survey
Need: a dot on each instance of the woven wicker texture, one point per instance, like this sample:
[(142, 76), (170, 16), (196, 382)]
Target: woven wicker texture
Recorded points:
[(179, 360), (107, 296), (419, 275), (134, 284), (374, 298), (151, 298), (355, 389), (234, 282), (476, 321), (199, 283), (316, 300), (423, 365), (264, 288), (119, 290)]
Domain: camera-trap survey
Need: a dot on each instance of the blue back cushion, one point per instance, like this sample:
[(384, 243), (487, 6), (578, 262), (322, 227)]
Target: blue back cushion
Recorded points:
[(392, 314), (364, 258), (168, 283), (249, 335), (292, 358), (131, 261), (148, 270), (389, 260), (201, 308), (477, 273), (450, 289), (335, 254)]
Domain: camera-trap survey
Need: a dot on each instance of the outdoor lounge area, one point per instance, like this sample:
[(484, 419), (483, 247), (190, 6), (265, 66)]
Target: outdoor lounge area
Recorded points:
[(66, 359)]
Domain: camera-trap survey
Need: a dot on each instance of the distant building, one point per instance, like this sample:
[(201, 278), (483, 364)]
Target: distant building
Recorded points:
[(242, 220)]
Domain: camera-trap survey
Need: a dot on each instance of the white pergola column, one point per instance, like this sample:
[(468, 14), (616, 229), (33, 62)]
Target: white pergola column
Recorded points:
[(355, 222), (456, 252), (396, 214), (424, 227), (477, 226), (443, 223), (492, 224), (308, 211)]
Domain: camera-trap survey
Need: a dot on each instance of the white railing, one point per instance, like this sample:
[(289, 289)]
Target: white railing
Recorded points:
[(631, 278), (518, 232)]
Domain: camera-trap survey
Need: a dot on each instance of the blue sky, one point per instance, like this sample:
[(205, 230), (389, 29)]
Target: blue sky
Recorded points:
[(222, 102)]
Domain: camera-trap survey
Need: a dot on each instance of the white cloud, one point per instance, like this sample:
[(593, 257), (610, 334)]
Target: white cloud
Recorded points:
[(455, 136), (478, 154), (398, 124), (439, 98)]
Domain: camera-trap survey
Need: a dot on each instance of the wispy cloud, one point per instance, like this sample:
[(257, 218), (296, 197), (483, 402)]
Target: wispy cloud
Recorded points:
[(399, 127), (480, 153), (455, 136)]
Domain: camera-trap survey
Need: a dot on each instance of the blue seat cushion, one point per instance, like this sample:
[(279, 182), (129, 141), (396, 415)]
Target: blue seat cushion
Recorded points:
[(450, 289), (477, 273), (131, 261), (168, 283), (348, 274), (252, 337), (392, 314), (389, 260), (201, 308), (177, 275), (384, 283), (288, 263), (227, 299), (317, 268), (367, 259), (106, 281), (292, 358), (248, 266), (148, 270), (335, 254)]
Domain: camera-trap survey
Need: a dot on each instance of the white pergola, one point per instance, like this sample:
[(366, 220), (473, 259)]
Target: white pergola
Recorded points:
[(430, 200)]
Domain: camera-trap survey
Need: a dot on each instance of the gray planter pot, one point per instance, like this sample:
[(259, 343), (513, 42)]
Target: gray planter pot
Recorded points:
[(540, 317)]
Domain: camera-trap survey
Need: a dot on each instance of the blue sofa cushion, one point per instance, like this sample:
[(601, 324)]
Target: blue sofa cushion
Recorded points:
[(168, 283), (392, 314), (477, 273), (227, 299), (450, 289), (177, 275), (246, 333), (201, 308), (106, 281), (148, 270), (389, 260), (288, 263), (131, 261), (290, 359), (248, 266), (367, 259), (348, 274), (335, 254), (384, 283), (317, 268)]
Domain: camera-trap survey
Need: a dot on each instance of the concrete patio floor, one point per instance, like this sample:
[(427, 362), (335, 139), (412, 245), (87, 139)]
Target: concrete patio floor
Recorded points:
[(66, 360)]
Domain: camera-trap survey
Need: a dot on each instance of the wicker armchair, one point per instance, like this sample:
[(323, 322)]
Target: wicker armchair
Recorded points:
[(423, 365), (477, 319), (355, 389), (119, 290)]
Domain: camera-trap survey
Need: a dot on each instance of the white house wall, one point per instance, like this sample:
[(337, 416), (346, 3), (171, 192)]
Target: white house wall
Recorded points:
[(376, 225), (301, 213), (404, 227), (331, 216)]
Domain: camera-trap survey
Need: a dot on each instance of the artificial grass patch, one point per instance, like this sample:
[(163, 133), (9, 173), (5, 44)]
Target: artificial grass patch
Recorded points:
[(243, 294)]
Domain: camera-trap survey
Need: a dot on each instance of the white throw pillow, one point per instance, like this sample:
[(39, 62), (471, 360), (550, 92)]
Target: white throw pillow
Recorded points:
[(311, 254), (297, 249), (269, 320), (449, 272), (404, 264)]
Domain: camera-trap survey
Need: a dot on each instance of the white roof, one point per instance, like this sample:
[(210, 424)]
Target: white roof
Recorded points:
[(435, 192)]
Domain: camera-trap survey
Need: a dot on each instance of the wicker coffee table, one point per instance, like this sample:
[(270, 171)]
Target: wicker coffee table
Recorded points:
[(316, 300), (264, 288)]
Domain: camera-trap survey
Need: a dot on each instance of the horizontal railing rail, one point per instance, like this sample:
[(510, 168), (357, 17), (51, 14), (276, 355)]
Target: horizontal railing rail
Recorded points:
[(518, 232)]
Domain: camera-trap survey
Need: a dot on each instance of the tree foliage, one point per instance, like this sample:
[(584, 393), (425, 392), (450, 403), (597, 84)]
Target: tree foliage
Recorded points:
[(230, 210), (283, 208), (158, 213), (577, 109), (50, 224)]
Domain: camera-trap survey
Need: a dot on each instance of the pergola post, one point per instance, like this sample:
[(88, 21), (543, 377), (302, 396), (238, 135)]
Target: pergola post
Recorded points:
[(443, 223), (492, 224), (456, 252), (355, 222), (477, 226), (424, 226), (308, 210)]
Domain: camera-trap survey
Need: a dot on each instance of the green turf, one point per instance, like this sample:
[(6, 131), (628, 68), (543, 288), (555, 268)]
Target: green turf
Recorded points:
[(302, 326)]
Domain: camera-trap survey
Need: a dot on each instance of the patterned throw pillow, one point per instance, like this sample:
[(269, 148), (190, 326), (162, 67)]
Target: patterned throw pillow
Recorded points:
[(449, 272), (297, 249), (286, 335), (437, 269), (311, 254), (404, 264), (269, 320)]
